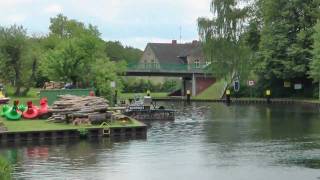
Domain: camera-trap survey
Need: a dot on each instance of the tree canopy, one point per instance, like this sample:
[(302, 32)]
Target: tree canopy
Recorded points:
[(222, 38)]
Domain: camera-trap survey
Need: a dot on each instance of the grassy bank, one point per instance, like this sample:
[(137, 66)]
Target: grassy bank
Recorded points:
[(43, 125), (215, 91)]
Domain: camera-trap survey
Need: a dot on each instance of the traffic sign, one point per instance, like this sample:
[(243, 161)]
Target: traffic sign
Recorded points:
[(251, 83), (236, 85)]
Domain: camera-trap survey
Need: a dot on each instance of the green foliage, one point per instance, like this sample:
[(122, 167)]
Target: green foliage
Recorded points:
[(76, 53), (315, 63), (83, 132), (62, 27), (286, 38), (141, 85), (116, 52), (5, 169), (104, 72), (18, 58), (283, 32), (223, 41)]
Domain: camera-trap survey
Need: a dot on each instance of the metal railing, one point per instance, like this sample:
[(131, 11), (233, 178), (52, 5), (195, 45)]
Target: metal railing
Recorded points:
[(156, 67)]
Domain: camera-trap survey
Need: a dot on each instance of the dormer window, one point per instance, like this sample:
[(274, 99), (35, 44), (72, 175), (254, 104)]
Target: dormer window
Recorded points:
[(197, 63)]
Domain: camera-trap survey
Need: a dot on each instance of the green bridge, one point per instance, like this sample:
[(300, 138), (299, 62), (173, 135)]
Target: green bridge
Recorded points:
[(155, 69)]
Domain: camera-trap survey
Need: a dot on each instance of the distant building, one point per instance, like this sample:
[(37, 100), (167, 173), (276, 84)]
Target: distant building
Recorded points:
[(161, 54), (172, 57)]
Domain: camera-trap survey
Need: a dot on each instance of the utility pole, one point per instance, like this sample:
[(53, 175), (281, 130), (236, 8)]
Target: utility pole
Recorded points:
[(180, 36)]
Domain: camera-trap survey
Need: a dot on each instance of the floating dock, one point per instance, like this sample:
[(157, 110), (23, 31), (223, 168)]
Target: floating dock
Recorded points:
[(152, 114)]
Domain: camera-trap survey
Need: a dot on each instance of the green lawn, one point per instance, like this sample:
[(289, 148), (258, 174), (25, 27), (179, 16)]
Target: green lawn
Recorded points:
[(43, 125), (215, 91), (153, 94)]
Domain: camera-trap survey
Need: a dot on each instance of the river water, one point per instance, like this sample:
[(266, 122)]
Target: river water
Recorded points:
[(207, 141)]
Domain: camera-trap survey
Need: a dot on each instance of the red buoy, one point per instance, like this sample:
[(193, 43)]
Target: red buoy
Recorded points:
[(32, 111), (43, 106)]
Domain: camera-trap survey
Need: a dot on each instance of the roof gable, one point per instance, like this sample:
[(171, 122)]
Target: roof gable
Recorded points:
[(168, 53)]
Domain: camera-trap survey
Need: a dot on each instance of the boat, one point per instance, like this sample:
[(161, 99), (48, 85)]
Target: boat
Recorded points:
[(144, 109)]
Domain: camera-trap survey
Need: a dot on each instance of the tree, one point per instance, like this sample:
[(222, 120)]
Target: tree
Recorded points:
[(63, 27), (116, 52), (286, 40), (18, 62), (72, 50), (76, 53), (315, 63), (223, 40), (104, 72), (72, 59)]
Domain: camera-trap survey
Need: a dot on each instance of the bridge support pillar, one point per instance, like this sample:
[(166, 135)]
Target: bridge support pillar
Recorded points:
[(183, 87), (194, 85)]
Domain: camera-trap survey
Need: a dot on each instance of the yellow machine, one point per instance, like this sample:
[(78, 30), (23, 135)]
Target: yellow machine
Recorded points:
[(3, 98)]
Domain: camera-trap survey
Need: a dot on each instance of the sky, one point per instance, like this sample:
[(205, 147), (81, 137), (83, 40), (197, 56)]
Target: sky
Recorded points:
[(132, 22)]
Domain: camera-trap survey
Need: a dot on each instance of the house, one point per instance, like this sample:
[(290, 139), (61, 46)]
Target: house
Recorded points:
[(163, 54), (175, 56)]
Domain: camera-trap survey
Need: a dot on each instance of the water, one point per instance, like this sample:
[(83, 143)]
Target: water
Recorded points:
[(207, 141)]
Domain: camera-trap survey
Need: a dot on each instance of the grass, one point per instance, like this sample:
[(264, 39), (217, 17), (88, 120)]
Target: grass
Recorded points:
[(153, 94), (43, 125), (31, 96), (213, 92)]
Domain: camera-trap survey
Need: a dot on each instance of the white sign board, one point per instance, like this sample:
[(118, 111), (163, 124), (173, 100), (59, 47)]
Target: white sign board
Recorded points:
[(113, 84), (251, 83), (297, 86)]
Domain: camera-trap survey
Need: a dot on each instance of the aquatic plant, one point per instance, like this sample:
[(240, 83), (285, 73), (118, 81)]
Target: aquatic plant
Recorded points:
[(5, 169)]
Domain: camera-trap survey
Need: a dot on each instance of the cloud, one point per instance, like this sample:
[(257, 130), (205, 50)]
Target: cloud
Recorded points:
[(133, 22), (141, 42), (16, 18), (53, 9)]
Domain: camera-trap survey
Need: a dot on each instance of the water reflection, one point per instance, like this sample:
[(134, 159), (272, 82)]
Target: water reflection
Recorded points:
[(206, 141)]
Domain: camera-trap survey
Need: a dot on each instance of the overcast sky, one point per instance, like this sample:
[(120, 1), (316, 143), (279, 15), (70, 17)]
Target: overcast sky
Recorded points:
[(132, 22)]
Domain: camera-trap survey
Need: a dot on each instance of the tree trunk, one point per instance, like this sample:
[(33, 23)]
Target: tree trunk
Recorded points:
[(17, 81)]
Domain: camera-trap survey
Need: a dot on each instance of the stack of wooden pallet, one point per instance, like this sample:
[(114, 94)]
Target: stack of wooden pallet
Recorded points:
[(82, 110), (69, 108), (53, 85)]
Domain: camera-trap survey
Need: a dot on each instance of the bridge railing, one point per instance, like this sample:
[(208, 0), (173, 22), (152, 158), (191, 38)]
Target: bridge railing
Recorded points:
[(156, 67)]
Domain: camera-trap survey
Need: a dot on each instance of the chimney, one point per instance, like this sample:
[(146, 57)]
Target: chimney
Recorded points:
[(174, 42)]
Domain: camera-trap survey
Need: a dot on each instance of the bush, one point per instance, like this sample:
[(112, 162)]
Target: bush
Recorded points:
[(141, 85)]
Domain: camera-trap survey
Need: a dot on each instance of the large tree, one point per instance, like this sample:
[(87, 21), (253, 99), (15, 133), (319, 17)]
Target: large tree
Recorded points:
[(76, 53), (285, 40), (116, 52), (18, 58), (315, 63), (223, 40)]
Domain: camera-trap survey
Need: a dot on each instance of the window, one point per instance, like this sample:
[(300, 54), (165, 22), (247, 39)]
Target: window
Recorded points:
[(197, 63), (154, 64)]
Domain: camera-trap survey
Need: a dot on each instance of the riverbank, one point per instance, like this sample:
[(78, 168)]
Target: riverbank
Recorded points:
[(246, 100), (37, 130)]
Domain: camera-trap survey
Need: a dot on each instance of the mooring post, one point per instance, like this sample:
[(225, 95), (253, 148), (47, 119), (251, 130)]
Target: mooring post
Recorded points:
[(268, 95), (188, 96), (228, 100)]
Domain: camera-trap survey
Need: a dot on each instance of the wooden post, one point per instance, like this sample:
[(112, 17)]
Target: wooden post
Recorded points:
[(228, 100), (268, 95), (188, 96)]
